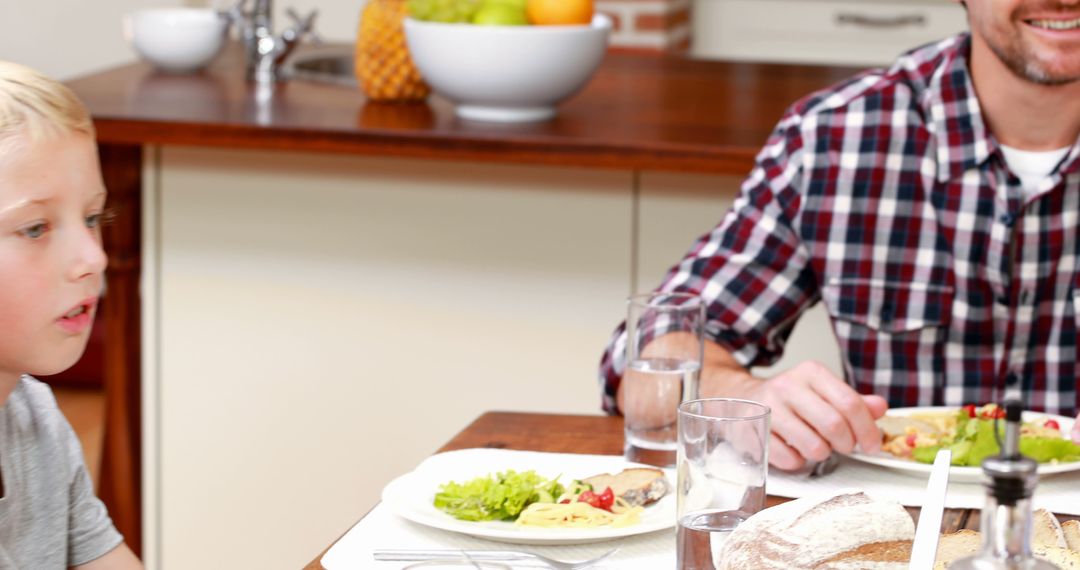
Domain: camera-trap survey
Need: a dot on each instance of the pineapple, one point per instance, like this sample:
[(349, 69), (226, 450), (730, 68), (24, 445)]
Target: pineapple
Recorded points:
[(383, 66)]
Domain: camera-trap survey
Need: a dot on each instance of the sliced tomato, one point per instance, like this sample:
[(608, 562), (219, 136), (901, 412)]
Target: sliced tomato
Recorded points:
[(601, 501), (910, 440), (606, 499), (970, 409), (1052, 424), (589, 497)]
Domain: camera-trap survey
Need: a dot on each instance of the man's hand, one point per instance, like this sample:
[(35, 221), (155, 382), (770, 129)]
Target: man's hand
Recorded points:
[(813, 413)]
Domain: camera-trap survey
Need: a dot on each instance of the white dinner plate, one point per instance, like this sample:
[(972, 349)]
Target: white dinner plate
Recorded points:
[(411, 496), (962, 474)]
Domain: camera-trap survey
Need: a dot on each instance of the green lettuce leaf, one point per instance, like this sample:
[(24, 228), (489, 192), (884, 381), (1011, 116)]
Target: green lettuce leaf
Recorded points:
[(501, 496), (974, 441), (984, 444), (1045, 449), (926, 454)]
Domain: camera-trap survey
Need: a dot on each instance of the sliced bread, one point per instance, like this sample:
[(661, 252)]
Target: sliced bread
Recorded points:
[(1061, 557), (956, 545), (1071, 530), (1046, 530)]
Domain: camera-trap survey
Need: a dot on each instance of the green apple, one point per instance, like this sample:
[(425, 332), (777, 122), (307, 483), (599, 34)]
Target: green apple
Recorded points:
[(499, 13), (520, 4)]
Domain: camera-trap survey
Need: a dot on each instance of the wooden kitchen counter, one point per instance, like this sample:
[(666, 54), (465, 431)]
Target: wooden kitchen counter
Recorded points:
[(639, 113)]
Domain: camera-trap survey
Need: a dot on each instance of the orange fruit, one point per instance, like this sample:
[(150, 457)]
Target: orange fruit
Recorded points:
[(559, 12)]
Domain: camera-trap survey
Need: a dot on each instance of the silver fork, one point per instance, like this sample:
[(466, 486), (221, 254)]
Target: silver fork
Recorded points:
[(411, 555)]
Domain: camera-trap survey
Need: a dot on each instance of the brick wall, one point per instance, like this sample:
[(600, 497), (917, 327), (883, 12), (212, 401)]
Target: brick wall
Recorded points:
[(661, 25)]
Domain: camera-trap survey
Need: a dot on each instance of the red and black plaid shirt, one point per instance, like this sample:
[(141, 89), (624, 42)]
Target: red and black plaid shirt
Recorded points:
[(887, 198)]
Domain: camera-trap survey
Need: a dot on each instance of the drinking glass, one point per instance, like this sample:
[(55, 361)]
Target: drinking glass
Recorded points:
[(663, 360), (723, 458)]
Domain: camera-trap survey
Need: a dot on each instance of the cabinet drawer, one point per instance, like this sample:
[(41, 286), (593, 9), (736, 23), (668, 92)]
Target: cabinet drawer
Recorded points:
[(834, 32)]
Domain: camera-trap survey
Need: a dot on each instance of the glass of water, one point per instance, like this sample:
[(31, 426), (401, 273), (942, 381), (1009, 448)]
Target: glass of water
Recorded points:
[(663, 360), (723, 458)]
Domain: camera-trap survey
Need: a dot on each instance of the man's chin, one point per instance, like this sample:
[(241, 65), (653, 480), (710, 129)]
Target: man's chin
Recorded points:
[(1042, 74), (1051, 78), (1040, 65)]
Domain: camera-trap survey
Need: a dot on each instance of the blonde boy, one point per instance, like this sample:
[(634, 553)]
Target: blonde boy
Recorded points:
[(51, 273)]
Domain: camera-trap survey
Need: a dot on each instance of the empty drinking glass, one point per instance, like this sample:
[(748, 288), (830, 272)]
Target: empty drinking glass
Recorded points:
[(723, 458), (663, 355)]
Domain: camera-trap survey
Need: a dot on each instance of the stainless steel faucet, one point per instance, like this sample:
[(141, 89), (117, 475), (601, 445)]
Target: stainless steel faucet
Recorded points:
[(265, 51)]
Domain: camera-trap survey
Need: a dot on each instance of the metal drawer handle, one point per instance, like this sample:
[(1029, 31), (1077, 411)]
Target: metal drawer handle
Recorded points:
[(880, 21)]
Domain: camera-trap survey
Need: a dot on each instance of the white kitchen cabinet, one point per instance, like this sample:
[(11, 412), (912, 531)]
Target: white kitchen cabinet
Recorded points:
[(837, 32)]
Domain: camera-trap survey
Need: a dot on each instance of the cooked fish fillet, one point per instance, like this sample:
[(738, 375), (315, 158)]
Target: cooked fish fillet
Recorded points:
[(637, 486)]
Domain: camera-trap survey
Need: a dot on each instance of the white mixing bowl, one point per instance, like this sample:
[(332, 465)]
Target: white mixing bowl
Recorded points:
[(507, 73), (178, 40)]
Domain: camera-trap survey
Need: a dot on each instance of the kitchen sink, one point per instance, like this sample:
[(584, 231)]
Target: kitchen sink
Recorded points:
[(322, 65)]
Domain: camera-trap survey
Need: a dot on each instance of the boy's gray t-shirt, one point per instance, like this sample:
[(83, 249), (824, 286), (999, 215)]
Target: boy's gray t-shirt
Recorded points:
[(49, 515)]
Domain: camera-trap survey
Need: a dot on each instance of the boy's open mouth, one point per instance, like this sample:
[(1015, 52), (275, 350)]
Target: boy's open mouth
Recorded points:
[(78, 318), (76, 312)]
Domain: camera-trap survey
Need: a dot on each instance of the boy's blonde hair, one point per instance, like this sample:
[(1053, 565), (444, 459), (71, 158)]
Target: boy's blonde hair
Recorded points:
[(36, 106)]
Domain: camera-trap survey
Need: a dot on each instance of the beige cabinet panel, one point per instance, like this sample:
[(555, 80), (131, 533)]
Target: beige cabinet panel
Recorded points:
[(677, 209), (325, 322), (838, 32)]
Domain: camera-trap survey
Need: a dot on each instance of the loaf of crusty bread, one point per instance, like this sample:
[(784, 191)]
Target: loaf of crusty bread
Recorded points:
[(883, 555), (842, 531), (637, 486)]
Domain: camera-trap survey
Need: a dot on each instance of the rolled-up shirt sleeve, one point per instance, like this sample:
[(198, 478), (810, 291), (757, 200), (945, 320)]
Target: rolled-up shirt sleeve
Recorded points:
[(752, 271)]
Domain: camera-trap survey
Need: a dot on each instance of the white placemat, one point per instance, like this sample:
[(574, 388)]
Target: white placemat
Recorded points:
[(1056, 493), (382, 528)]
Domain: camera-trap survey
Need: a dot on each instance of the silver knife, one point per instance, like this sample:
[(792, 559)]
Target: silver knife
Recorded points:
[(927, 532)]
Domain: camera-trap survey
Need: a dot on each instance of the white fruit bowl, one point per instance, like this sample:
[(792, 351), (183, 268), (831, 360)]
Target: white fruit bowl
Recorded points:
[(177, 40), (507, 73)]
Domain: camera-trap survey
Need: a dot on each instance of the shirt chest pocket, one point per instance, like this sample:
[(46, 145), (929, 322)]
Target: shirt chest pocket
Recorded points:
[(889, 307)]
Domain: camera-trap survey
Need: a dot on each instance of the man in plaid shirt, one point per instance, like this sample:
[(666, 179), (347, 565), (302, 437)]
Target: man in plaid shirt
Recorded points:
[(934, 209)]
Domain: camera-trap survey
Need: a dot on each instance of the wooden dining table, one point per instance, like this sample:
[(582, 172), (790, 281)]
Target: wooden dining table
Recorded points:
[(598, 435)]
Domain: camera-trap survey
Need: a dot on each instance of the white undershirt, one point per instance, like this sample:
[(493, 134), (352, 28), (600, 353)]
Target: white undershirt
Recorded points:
[(1032, 166)]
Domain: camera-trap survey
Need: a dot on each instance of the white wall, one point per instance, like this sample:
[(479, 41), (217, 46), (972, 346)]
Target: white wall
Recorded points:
[(338, 20), (67, 38)]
